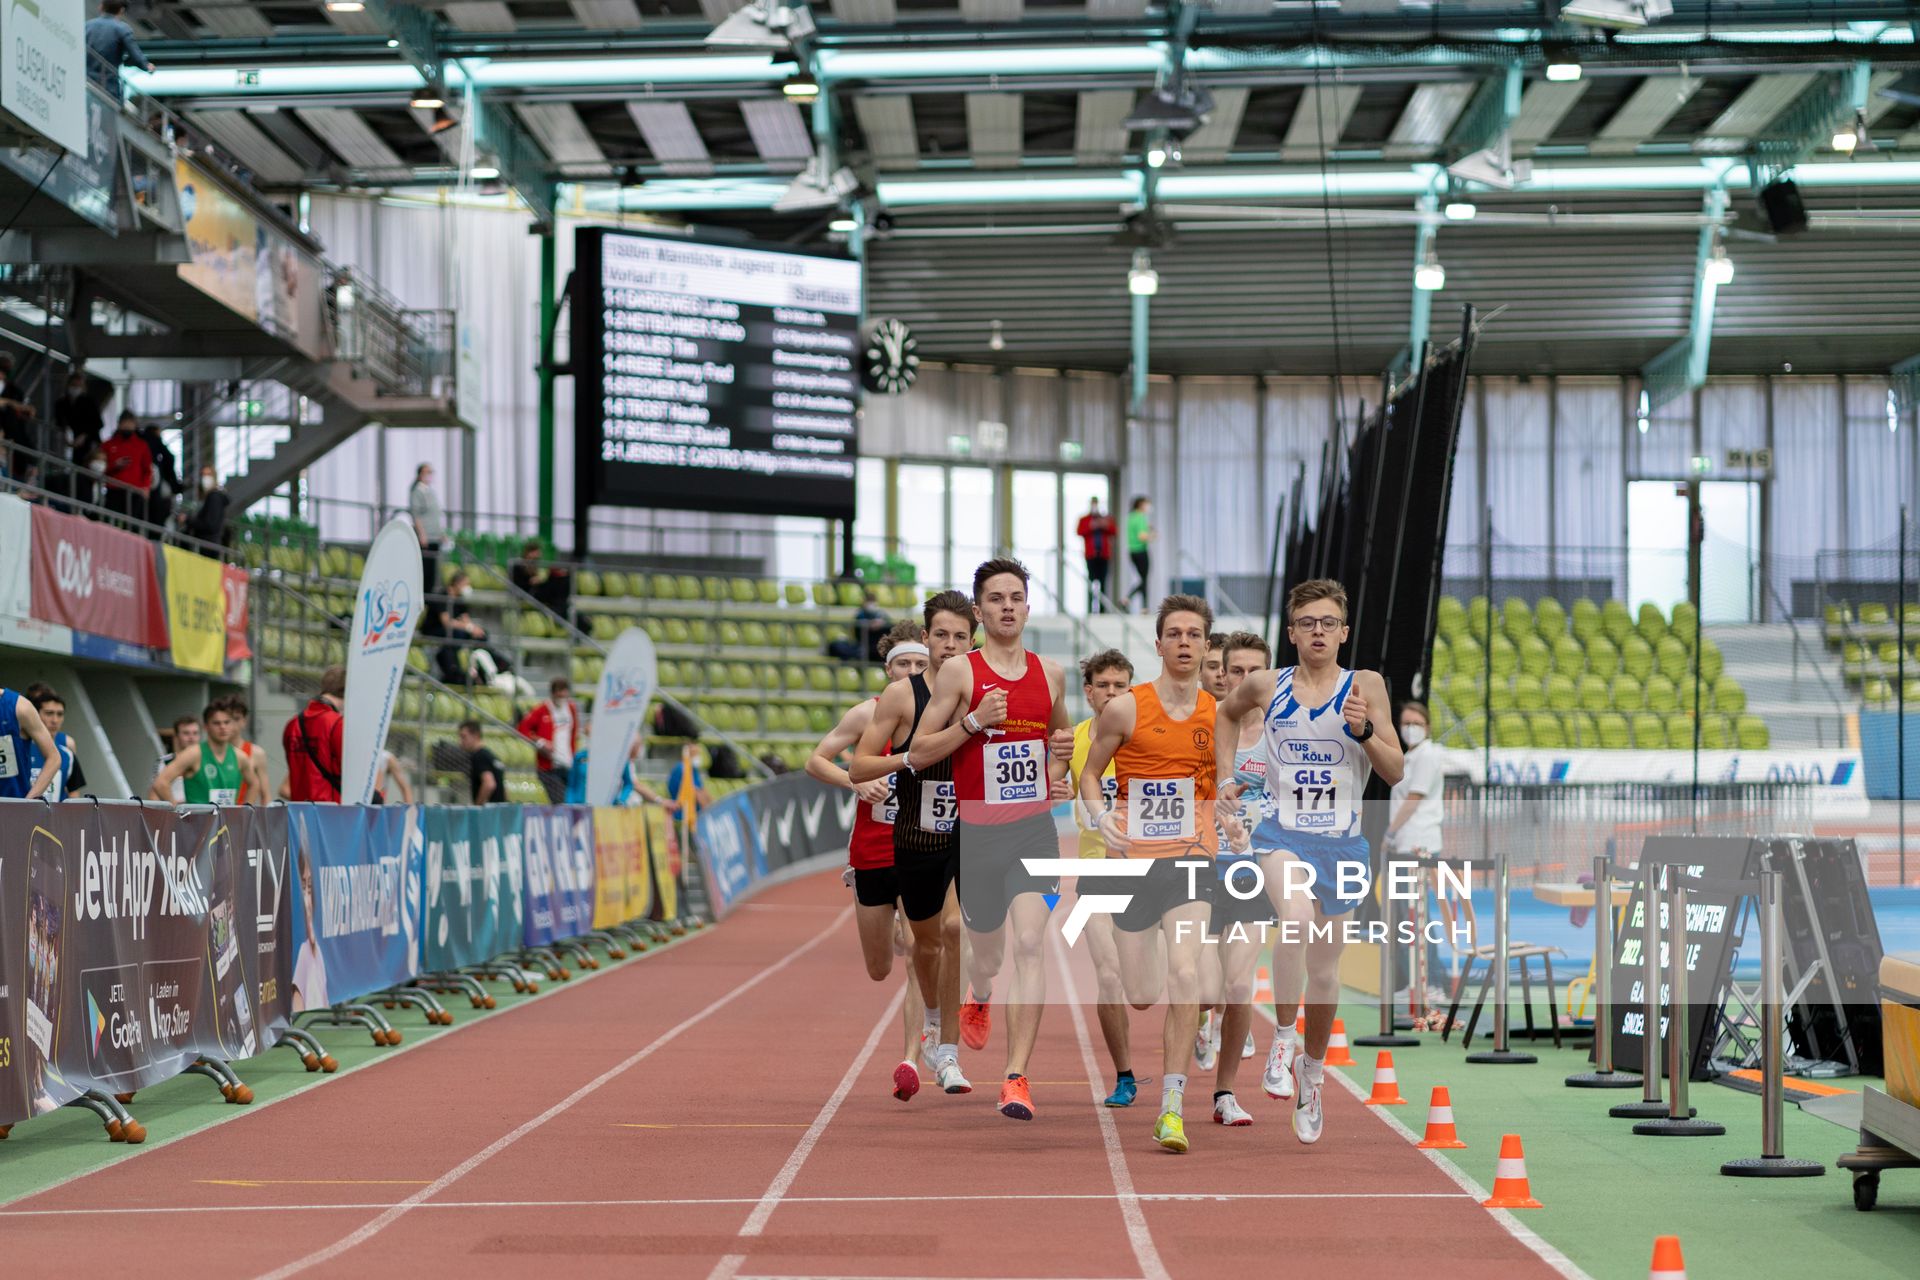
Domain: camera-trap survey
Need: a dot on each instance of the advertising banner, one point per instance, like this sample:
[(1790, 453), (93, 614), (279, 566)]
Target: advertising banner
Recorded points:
[(16, 578), (1835, 775), (474, 907), (357, 912), (385, 615), (196, 610), (80, 180), (222, 240), (236, 586), (623, 887), (726, 838), (663, 855), (619, 711), (561, 887), (95, 579), (151, 936), (45, 85)]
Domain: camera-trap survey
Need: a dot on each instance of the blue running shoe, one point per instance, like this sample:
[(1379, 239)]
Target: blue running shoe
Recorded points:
[(1124, 1091)]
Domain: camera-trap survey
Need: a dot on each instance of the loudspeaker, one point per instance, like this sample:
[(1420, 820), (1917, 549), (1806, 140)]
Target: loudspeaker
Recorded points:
[(1785, 211)]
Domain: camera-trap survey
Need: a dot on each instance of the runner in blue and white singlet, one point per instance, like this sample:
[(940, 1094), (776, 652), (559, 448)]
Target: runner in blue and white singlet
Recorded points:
[(1310, 806)]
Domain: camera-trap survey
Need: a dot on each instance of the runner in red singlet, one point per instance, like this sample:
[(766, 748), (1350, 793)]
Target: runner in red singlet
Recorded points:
[(1008, 734)]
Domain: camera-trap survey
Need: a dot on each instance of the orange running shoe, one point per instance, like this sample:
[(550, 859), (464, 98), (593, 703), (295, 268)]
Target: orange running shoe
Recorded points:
[(906, 1080), (976, 1020), (1016, 1099)]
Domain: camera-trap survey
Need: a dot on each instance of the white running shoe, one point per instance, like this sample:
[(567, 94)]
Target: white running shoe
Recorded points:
[(948, 1076), (1307, 1117), (1250, 1048), (1278, 1079), (1206, 1050), (1228, 1111)]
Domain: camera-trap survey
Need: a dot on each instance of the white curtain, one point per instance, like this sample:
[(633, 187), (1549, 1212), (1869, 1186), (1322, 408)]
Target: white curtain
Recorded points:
[(1464, 510), (1877, 470), (1589, 476), (1807, 509), (1223, 526), (1151, 440), (1517, 471)]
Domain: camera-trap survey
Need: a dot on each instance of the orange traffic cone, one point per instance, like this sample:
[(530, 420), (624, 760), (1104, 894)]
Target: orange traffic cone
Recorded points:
[(1386, 1085), (1667, 1262), (1510, 1190), (1300, 1026), (1337, 1055), (1440, 1134), (1262, 986)]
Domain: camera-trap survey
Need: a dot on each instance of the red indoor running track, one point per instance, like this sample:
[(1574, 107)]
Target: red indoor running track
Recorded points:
[(723, 1110)]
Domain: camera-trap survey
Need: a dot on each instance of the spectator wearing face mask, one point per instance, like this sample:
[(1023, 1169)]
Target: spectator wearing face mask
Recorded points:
[(1418, 805), (166, 477), (208, 522), (78, 423), (129, 469)]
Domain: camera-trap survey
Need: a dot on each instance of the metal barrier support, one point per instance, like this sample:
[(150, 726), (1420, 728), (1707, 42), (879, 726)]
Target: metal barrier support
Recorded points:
[(1603, 1076), (1773, 1161), (1650, 1105), (1389, 1036), (1679, 1121), (1500, 1054)]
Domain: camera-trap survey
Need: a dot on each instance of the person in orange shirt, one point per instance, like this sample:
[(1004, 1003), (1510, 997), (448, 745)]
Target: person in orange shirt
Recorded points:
[(1159, 736)]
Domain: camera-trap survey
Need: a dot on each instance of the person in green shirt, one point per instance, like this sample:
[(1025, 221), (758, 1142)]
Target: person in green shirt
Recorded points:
[(1139, 535), (212, 774)]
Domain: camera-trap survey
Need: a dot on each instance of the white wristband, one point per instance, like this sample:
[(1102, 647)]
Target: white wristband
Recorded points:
[(971, 724)]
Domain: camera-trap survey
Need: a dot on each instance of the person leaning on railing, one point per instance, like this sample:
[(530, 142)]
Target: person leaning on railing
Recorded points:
[(129, 467), (110, 46)]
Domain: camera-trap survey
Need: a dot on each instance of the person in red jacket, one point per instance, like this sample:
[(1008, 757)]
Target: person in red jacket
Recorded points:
[(313, 742), (551, 727), (130, 468)]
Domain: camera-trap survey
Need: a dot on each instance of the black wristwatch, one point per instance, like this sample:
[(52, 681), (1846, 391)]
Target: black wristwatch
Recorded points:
[(1366, 731)]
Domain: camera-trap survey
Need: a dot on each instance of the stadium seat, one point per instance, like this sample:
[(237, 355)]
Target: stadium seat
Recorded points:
[(793, 678), (1686, 619), (1636, 656), (1616, 622), (588, 583), (1528, 695), (741, 675), (1504, 659), (876, 679), (807, 635), (1500, 696), (1544, 727), (1716, 733), (823, 594), (1888, 653), (1550, 620), (820, 679), (729, 634), (1728, 697), (614, 584), (1750, 733), (1712, 662), (1614, 732), (1474, 726), (1680, 731), (1569, 658), (1561, 693), (1671, 657), (1662, 696), (1649, 732), (1582, 730), (1585, 620), (1466, 655), (796, 594), (677, 631), (1440, 664), (1593, 694), (1517, 620), (1873, 614), (1477, 618), (1535, 658), (1603, 657), (1876, 690), (743, 590), (848, 679), (819, 719), (1629, 694), (1451, 617), (754, 635), (1649, 623)]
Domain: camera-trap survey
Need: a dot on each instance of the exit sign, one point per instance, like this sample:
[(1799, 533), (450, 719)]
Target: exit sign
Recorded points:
[(246, 79)]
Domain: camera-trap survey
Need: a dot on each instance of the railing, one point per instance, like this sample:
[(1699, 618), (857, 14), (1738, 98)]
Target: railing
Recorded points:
[(407, 352), (71, 489)]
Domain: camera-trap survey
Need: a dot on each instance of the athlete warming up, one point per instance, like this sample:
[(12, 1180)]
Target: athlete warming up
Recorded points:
[(870, 850), (1321, 744), (1005, 726), (1159, 738), (1104, 677), (925, 843)]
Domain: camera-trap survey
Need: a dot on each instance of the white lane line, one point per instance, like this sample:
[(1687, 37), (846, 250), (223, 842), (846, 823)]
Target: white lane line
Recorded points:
[(1145, 1197), (1144, 1251), (1559, 1261), (417, 1037), (445, 1180), (729, 1266)]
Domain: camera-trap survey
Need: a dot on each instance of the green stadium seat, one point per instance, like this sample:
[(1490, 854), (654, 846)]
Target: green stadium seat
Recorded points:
[(819, 719), (1636, 657), (1584, 621), (1440, 665), (1545, 728), (417, 660), (1477, 611), (1716, 733), (1569, 658), (1581, 728), (730, 634), (1510, 730), (1517, 620), (669, 673), (1750, 733), (1615, 733), (1473, 726), (1452, 617), (588, 583), (1464, 692), (851, 593), (1649, 732), (1504, 658), (686, 588), (677, 631), (1628, 694), (1528, 695), (1853, 657), (807, 635), (820, 679), (1603, 657), (848, 679), (718, 676), (1465, 655), (700, 631), (614, 585), (1876, 691), (1671, 657), (1680, 732), (744, 590), (876, 679), (754, 635), (1562, 695), (742, 675), (1873, 614), (796, 594), (793, 677), (793, 718), (1615, 621), (1550, 619), (1712, 662), (1535, 658), (1687, 693), (1910, 691), (1662, 696), (713, 589), (1593, 694), (1686, 619), (1500, 696), (1650, 624), (1888, 653)]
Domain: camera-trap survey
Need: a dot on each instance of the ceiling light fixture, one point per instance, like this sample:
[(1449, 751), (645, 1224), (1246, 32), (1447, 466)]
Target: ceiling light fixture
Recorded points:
[(997, 341), (485, 173), (1430, 276), (1720, 266), (345, 6), (1461, 211), (1156, 156), (1643, 417), (815, 188), (431, 97), (1180, 106), (843, 225), (1142, 280), (1562, 67), (801, 89), (764, 24)]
